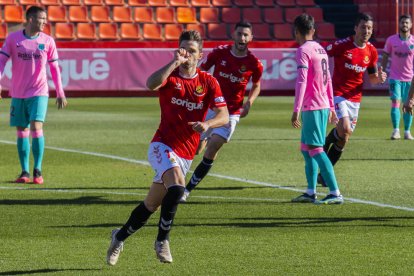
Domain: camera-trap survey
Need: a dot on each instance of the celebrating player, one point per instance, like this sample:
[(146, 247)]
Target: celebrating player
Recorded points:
[(314, 98), (185, 93), (352, 57), (234, 65), (30, 50), (400, 48)]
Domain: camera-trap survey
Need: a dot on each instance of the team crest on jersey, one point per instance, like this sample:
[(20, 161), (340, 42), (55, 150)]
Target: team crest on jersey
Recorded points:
[(329, 47), (41, 46), (242, 69), (411, 46), (223, 63), (199, 91), (178, 86), (366, 59)]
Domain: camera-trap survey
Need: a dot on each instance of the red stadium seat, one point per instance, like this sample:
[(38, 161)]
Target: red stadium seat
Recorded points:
[(198, 27), (173, 31), (152, 32), (186, 15), (209, 15), (252, 15), (144, 15), (283, 31), (261, 32), (3, 31), (157, 3), (230, 15), (50, 2), (47, 29), (222, 3), (135, 3), (64, 31), (28, 2), (165, 15), (317, 14), (286, 3), (7, 2), (325, 31), (56, 14), (78, 14), (265, 3), (292, 13), (13, 14), (71, 2), (122, 14), (243, 3), (86, 31), (100, 14), (200, 3), (305, 3), (272, 15), (108, 31), (93, 2), (130, 31), (179, 3), (217, 31), (114, 2)]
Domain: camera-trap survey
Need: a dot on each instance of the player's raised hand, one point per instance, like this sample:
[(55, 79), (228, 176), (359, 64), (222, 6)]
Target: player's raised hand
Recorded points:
[(382, 76), (200, 127), (61, 103), (181, 55), (295, 120)]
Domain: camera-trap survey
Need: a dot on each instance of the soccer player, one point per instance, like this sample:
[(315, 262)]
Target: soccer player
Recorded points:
[(314, 101), (352, 57), (234, 65), (400, 48), (185, 93), (30, 50)]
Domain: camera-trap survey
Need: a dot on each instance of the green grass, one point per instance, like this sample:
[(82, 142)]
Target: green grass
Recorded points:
[(228, 227)]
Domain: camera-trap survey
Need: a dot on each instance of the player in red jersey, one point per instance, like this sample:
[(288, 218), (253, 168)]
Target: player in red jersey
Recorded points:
[(352, 57), (185, 93), (234, 66)]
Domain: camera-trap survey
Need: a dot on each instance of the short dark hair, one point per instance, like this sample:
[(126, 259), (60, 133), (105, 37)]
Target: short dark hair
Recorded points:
[(244, 24), (304, 23), (404, 16), (192, 35), (33, 11), (363, 17)]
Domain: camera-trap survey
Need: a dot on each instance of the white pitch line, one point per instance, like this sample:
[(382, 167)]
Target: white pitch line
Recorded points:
[(243, 180)]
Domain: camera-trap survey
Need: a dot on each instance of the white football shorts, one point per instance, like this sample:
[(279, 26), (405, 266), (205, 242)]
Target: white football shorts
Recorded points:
[(162, 158), (345, 108), (225, 131)]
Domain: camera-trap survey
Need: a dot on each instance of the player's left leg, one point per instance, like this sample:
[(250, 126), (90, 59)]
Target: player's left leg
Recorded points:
[(37, 109), (407, 117), (395, 96)]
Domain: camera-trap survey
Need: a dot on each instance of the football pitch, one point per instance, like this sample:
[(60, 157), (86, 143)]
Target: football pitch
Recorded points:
[(239, 221)]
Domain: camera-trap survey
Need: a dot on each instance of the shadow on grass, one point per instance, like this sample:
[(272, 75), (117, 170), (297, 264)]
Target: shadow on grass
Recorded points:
[(379, 159), (85, 200), (45, 270)]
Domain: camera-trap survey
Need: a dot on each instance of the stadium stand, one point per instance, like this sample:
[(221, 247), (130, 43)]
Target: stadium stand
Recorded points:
[(86, 31), (130, 31), (108, 31), (209, 15), (64, 31), (13, 14), (3, 30), (78, 14), (152, 32), (144, 15), (173, 31)]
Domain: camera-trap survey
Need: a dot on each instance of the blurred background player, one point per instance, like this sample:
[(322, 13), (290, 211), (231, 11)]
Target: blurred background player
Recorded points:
[(399, 47), (30, 50), (185, 93), (314, 98), (234, 65), (352, 57)]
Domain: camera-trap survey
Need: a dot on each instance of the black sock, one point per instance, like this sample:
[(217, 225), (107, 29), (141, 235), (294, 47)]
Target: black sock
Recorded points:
[(335, 153), (168, 208), (330, 139), (137, 219), (200, 172)]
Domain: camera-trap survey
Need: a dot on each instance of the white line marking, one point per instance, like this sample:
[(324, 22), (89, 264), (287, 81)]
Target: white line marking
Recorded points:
[(243, 180)]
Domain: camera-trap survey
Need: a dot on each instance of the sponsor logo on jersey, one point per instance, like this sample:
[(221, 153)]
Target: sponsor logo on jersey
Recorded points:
[(187, 104), (402, 54), (178, 86), (242, 69), (355, 67), (199, 91), (219, 100), (28, 56), (366, 59), (231, 77), (223, 63), (329, 47)]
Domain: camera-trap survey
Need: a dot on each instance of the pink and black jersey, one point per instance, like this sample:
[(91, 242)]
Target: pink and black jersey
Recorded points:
[(184, 100), (233, 73), (350, 63), (313, 89), (29, 56)]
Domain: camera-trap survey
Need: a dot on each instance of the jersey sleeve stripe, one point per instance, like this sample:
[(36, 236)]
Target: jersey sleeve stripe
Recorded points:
[(1, 52), (52, 60), (302, 66)]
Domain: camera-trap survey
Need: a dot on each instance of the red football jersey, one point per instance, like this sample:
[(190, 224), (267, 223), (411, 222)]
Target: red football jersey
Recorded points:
[(185, 100), (233, 73), (350, 63)]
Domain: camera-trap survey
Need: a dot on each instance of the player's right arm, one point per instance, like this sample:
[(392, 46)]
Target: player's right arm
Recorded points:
[(156, 80), (4, 57)]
